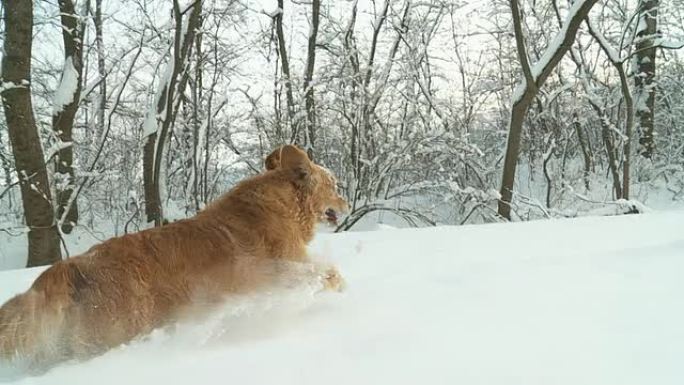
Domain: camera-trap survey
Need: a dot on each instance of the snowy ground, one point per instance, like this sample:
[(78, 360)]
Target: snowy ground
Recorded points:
[(582, 301)]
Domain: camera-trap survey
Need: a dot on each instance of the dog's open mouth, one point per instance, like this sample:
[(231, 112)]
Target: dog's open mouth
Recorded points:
[(331, 216)]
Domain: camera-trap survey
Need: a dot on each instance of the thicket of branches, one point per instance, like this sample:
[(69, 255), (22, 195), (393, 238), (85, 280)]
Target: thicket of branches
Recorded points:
[(434, 111)]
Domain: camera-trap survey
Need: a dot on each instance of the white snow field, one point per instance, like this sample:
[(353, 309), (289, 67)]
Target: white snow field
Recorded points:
[(583, 301)]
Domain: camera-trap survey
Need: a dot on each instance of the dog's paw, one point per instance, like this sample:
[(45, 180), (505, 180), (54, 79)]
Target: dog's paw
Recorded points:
[(333, 281)]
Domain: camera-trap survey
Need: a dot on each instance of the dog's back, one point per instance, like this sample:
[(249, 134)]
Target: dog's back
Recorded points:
[(130, 285), (119, 289)]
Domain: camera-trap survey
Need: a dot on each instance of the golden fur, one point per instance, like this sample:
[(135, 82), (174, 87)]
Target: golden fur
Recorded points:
[(130, 285)]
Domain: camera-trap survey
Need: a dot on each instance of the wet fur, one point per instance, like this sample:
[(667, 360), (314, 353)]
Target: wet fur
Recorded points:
[(130, 285)]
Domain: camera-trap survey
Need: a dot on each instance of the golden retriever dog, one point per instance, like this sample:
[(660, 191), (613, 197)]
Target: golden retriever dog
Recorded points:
[(127, 286)]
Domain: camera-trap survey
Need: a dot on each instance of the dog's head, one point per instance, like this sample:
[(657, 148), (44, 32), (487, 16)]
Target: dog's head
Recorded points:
[(317, 181)]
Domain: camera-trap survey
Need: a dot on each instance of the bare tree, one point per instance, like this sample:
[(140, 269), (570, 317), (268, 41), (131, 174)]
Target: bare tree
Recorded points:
[(308, 75), (644, 74), (161, 115), (285, 68), (618, 63), (101, 68), (375, 92), (43, 236), (587, 155), (534, 78), (67, 98)]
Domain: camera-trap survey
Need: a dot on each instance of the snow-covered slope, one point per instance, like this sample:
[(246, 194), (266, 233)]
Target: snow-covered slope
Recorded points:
[(583, 301)]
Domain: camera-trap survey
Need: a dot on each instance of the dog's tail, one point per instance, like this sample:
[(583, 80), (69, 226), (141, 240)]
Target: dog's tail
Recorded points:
[(32, 323)]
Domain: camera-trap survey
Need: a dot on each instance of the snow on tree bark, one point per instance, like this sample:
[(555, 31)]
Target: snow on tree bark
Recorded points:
[(644, 75)]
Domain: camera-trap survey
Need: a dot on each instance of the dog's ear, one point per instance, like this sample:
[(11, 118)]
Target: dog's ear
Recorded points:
[(273, 159), (295, 160)]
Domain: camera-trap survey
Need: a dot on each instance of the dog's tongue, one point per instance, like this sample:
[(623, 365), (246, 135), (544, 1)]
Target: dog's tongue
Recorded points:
[(331, 215)]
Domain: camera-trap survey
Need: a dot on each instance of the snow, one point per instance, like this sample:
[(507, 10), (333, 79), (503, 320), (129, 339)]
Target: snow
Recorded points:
[(272, 12), (64, 95), (4, 86), (153, 117), (669, 44), (595, 300), (150, 123)]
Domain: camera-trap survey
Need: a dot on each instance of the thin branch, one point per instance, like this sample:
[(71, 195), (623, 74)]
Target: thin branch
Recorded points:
[(520, 45)]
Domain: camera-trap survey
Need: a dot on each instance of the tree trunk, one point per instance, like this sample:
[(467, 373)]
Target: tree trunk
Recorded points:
[(159, 117), (611, 151), (644, 77), (629, 125), (308, 75), (285, 68), (65, 107), (518, 113), (352, 57), (619, 66), (43, 237), (586, 152), (197, 123), (527, 91), (101, 69), (150, 190), (546, 159)]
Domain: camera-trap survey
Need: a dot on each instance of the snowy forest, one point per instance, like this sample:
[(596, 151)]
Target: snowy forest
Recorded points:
[(120, 115)]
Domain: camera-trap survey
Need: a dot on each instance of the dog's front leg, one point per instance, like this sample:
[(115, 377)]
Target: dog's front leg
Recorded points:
[(291, 273), (331, 278)]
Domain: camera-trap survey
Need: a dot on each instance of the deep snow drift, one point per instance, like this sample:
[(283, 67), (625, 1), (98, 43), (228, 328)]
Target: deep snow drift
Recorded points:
[(582, 301)]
